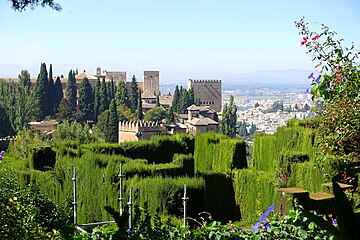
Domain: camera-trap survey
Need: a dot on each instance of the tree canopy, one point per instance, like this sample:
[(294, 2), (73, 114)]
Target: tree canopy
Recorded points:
[(21, 5)]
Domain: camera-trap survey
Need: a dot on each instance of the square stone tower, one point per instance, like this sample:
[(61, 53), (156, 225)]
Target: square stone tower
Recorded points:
[(208, 91), (152, 82)]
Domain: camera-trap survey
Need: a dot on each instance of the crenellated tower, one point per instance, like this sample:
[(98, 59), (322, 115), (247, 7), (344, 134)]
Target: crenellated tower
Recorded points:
[(137, 130), (208, 91)]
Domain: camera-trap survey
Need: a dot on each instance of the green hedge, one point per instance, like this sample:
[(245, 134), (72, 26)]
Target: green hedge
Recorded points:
[(215, 152), (164, 195), (287, 159), (254, 192), (43, 158), (220, 197), (307, 176), (159, 149), (269, 149)]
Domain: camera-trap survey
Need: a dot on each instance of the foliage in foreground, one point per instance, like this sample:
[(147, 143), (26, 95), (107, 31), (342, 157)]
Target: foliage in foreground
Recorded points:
[(295, 225), (27, 213)]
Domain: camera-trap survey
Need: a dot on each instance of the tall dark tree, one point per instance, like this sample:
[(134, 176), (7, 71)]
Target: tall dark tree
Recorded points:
[(139, 112), (86, 100), (176, 99), (50, 94), (170, 115), (157, 104), (111, 90), (183, 100), (40, 90), (97, 98), (113, 123), (121, 95), (58, 94), (104, 99), (71, 91), (229, 117), (191, 97), (134, 94)]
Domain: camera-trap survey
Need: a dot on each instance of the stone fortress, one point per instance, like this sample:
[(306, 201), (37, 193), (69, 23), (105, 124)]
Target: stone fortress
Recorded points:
[(137, 130), (208, 91)]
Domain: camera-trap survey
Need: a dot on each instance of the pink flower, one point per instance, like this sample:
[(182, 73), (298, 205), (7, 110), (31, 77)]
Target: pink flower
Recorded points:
[(303, 41), (315, 37)]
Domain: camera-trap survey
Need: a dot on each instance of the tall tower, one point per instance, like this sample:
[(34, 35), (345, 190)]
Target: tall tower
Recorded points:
[(98, 71), (208, 91), (152, 82)]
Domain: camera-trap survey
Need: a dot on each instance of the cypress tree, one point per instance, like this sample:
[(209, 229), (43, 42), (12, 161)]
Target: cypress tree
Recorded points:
[(176, 98), (58, 94), (121, 96), (170, 115), (71, 90), (40, 90), (157, 100), (191, 97), (104, 105), (97, 98), (50, 93), (86, 100), (139, 112), (229, 117), (113, 123), (183, 100), (134, 94)]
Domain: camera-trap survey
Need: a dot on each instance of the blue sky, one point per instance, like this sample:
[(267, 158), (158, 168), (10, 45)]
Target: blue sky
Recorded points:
[(204, 39)]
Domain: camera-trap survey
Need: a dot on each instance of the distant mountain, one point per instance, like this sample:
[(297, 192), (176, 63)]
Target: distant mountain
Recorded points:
[(289, 76)]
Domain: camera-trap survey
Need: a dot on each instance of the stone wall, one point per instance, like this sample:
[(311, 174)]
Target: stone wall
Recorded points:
[(137, 130)]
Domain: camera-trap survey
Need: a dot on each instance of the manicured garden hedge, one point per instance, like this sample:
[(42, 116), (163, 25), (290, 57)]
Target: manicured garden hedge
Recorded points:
[(220, 197), (254, 192), (269, 149), (307, 176), (215, 152), (159, 149)]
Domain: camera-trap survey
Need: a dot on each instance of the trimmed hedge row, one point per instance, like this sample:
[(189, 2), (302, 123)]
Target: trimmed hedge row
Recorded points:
[(159, 149), (164, 195), (220, 197), (254, 192), (269, 149), (306, 175), (215, 152)]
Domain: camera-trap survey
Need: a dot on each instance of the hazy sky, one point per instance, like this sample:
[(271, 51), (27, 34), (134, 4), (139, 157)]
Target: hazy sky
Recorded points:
[(173, 36)]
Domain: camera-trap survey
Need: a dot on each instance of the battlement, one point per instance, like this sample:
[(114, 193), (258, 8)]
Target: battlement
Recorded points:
[(151, 72), (138, 126), (137, 130), (115, 72), (204, 81)]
